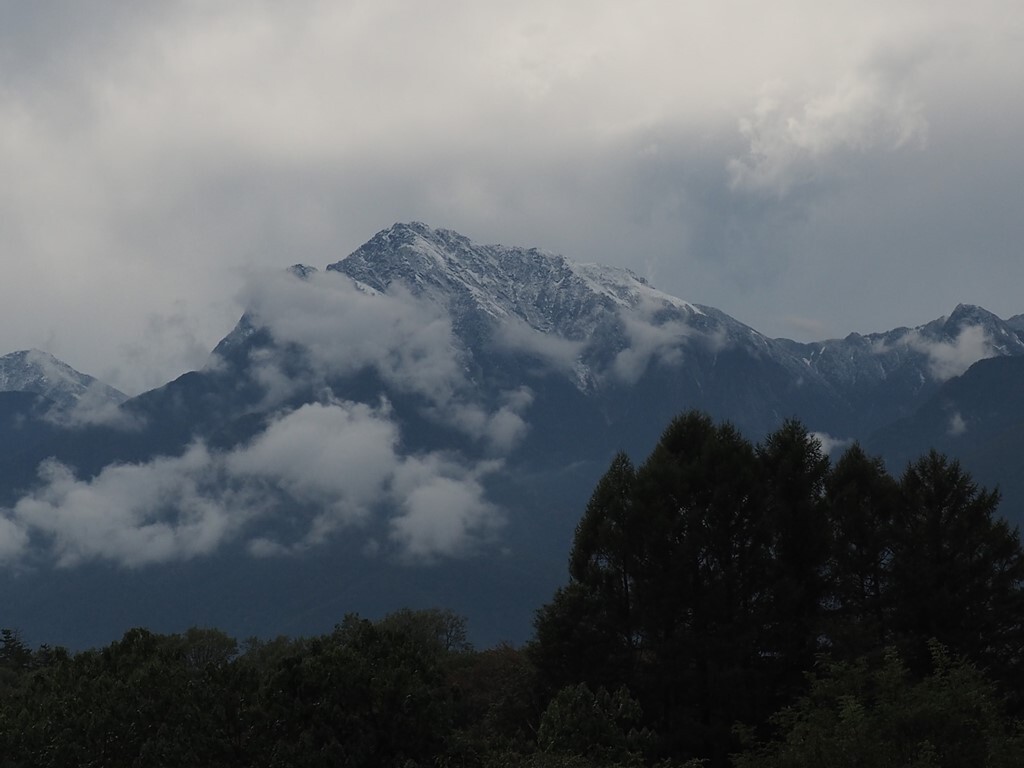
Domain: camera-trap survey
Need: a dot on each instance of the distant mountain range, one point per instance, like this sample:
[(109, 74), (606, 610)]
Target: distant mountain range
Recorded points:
[(421, 423)]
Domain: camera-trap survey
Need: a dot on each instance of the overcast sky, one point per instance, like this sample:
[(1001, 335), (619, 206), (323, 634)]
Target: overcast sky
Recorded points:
[(810, 168)]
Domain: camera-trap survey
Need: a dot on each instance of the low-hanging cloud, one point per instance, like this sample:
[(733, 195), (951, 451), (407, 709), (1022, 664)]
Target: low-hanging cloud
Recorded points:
[(957, 425), (648, 342), (344, 327), (315, 470), (443, 509), (13, 540), (172, 508), (947, 359), (95, 409), (336, 457), (650, 339), (557, 351), (501, 429)]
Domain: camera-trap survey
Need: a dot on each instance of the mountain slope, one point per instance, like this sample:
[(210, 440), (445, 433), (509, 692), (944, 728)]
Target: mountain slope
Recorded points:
[(885, 376), (979, 419)]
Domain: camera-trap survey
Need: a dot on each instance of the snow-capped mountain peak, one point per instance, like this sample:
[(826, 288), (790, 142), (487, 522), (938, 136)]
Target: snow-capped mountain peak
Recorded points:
[(605, 328), (545, 290), (32, 370)]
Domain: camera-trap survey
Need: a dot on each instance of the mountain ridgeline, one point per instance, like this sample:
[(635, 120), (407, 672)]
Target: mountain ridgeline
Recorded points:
[(420, 424)]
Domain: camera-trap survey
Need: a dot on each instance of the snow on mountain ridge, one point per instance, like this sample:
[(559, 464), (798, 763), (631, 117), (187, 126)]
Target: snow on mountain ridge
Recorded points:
[(590, 320), (547, 291), (934, 351), (32, 370), (606, 326)]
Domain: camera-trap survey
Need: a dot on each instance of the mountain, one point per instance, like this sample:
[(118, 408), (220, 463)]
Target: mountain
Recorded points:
[(627, 330), (630, 349), (41, 373), (419, 423), (979, 419), (885, 376), (40, 396)]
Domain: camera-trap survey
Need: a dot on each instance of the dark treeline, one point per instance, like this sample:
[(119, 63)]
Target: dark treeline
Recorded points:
[(728, 604)]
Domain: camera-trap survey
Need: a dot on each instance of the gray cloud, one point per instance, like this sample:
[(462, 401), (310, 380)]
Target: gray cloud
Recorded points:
[(655, 339), (501, 429), (957, 425), (13, 540), (94, 408), (793, 139), (170, 342), (831, 445), (561, 353), (649, 341)]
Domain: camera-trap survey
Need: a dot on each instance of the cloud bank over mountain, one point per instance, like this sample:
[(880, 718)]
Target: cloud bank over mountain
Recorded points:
[(315, 471)]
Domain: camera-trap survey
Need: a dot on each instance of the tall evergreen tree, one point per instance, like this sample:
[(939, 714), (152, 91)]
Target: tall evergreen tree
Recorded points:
[(861, 499), (591, 632), (958, 570), (605, 553), (701, 591), (667, 587), (795, 469)]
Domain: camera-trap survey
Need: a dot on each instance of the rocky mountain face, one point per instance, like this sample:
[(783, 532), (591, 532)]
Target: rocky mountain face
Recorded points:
[(623, 333), (420, 423)]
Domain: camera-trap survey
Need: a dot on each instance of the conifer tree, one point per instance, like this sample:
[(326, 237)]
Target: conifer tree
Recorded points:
[(958, 570), (795, 470), (861, 499)]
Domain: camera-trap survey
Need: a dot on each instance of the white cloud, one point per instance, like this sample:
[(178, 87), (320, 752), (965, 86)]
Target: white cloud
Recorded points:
[(649, 340), (344, 328), (947, 359), (314, 470), (172, 508), (409, 342), (444, 511), (338, 456)]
